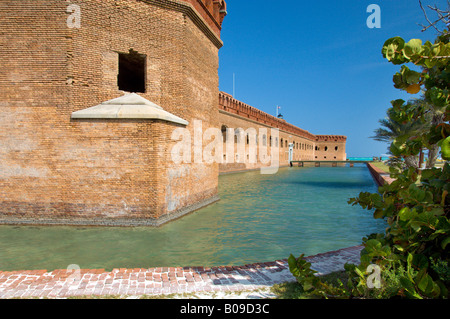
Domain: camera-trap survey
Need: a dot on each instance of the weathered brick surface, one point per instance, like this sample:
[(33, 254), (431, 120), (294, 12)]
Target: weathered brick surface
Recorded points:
[(330, 147), (55, 167)]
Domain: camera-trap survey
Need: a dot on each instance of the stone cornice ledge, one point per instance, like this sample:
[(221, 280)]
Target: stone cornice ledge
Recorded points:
[(129, 106), (189, 10)]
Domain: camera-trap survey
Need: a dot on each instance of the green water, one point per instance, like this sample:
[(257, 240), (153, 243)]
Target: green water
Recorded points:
[(259, 218)]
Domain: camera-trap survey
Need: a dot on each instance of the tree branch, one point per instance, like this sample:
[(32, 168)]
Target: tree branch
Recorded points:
[(443, 17)]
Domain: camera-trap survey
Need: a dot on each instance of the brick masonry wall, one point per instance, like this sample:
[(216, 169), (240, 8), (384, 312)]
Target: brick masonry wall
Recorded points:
[(52, 166), (303, 147), (212, 11), (306, 146), (55, 169), (330, 147)]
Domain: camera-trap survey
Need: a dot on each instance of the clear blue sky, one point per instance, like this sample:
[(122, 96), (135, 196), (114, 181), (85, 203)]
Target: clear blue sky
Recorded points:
[(319, 61)]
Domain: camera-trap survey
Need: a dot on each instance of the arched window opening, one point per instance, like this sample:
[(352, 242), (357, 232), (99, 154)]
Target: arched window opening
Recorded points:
[(224, 133)]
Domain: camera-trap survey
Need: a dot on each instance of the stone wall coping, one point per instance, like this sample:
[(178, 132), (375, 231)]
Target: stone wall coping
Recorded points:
[(381, 177), (229, 105)]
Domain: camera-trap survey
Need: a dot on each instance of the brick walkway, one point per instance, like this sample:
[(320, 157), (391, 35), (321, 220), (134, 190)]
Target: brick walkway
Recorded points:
[(160, 280)]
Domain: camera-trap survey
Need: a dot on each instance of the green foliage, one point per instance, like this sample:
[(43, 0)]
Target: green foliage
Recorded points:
[(301, 269), (412, 255), (416, 209), (391, 286), (433, 58), (433, 79), (445, 148), (312, 285), (416, 204), (293, 290), (442, 270)]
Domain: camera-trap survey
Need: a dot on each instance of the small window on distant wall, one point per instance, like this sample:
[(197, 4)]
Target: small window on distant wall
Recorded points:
[(336, 148), (224, 133), (131, 77)]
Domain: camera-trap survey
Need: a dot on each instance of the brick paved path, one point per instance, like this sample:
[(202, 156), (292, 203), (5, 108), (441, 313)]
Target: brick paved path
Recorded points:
[(161, 280)]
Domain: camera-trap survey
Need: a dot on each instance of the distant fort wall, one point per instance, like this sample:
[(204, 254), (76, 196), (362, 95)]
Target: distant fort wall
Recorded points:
[(292, 143)]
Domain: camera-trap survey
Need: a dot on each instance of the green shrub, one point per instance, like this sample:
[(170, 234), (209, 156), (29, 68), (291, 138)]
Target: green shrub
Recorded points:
[(412, 256)]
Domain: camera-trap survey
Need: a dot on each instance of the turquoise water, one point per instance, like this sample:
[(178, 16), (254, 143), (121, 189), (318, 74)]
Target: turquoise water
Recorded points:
[(259, 218)]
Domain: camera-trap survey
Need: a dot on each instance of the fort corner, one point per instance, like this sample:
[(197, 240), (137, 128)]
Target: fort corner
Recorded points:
[(87, 111)]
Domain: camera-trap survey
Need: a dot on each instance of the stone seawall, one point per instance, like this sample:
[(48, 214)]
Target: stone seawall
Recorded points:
[(380, 176)]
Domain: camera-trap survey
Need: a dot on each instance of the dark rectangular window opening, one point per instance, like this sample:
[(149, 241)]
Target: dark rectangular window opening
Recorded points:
[(132, 72)]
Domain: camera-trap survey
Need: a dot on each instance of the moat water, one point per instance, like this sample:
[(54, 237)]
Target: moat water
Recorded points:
[(259, 218)]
